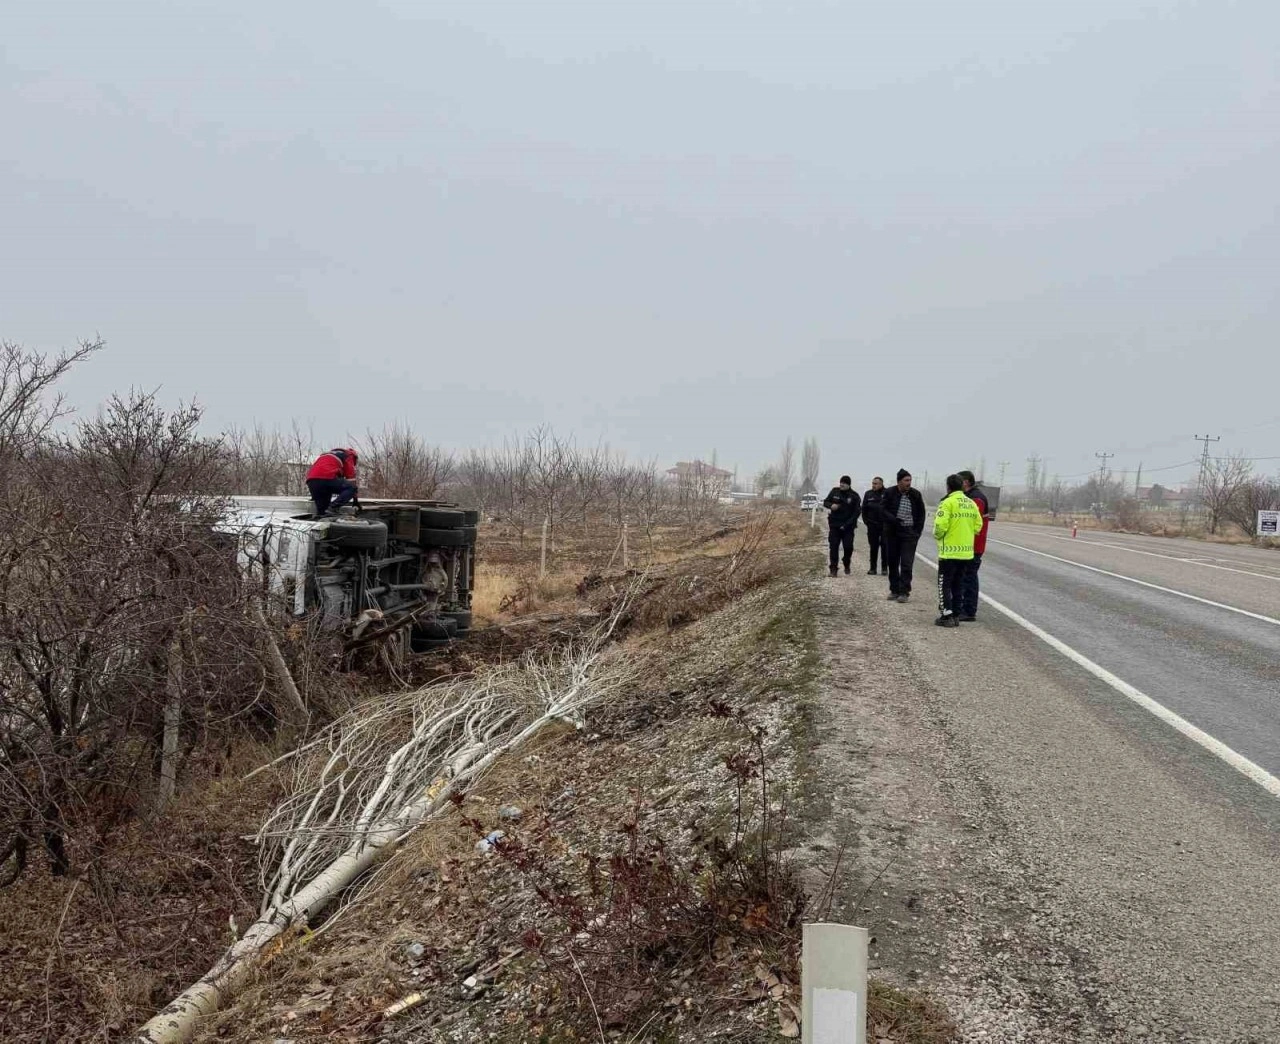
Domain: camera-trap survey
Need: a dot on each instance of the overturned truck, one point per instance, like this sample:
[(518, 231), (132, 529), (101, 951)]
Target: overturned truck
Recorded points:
[(400, 568)]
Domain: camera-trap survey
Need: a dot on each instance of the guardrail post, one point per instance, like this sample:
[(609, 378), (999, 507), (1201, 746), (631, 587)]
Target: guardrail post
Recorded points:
[(833, 984)]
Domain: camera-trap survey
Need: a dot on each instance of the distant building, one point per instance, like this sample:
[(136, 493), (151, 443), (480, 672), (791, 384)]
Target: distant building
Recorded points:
[(701, 476), (1161, 498)]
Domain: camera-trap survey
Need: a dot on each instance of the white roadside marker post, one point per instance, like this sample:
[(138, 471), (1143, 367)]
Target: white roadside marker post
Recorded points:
[(813, 517), (833, 984)]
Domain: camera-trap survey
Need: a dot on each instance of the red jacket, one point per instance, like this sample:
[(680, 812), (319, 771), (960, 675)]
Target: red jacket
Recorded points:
[(980, 540), (337, 463)]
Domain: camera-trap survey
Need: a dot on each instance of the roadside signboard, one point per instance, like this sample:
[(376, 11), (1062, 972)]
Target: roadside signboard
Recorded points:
[(1269, 523)]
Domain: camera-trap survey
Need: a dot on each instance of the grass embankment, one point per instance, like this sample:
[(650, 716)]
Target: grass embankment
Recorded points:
[(645, 890)]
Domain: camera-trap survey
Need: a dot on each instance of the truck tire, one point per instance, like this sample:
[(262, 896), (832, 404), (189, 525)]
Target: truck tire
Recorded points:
[(441, 518), (432, 633), (461, 619), (471, 533), (443, 537), (356, 534), (471, 518)]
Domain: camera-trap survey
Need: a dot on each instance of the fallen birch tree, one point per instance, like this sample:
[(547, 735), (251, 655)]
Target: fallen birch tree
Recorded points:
[(374, 777)]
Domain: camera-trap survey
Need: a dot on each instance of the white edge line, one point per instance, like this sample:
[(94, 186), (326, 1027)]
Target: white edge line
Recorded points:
[(1216, 747), (1156, 554), (1144, 583)]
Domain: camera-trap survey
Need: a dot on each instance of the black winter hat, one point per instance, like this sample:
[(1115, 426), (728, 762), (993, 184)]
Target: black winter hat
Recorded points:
[(903, 473), (845, 480)]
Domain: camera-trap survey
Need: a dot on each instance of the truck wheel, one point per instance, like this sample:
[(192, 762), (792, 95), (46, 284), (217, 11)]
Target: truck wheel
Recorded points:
[(470, 518), (432, 633), (441, 518), (356, 534), (443, 537), (471, 532), (461, 619)]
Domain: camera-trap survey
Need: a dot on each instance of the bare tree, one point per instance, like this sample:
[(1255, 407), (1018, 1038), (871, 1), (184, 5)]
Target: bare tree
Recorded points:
[(1224, 479), (257, 458), (110, 566), (649, 496), (475, 481), (399, 464), (1056, 496), (512, 490), (587, 484), (1259, 494), (621, 484), (27, 410), (551, 466), (810, 465), (786, 470)]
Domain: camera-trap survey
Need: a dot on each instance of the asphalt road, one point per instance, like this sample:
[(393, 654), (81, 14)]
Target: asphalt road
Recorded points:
[(1185, 640), (1062, 864)]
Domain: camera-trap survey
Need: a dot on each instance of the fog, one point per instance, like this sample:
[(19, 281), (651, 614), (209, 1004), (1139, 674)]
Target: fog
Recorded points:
[(929, 234)]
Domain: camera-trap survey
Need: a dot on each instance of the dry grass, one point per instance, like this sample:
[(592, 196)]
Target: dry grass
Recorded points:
[(898, 1016), (507, 584)]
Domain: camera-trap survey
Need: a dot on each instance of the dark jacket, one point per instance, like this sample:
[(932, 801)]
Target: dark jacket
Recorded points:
[(871, 501), (889, 509), (844, 505)]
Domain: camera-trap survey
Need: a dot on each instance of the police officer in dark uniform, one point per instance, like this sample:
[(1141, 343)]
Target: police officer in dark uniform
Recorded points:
[(873, 519), (844, 505)]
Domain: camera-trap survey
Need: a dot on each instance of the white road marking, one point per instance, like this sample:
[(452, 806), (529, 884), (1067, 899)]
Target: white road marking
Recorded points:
[(1214, 746), (1156, 554), (1143, 583)]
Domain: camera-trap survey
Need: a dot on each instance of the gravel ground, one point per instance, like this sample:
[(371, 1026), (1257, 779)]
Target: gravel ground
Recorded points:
[(1055, 866)]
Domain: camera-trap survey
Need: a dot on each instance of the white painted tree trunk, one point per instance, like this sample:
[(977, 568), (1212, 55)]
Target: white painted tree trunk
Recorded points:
[(452, 741)]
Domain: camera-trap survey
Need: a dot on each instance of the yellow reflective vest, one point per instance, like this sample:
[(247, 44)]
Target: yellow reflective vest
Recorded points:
[(956, 523)]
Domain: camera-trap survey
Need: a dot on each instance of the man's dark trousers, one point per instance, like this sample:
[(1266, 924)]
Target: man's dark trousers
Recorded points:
[(900, 553), (951, 574), (837, 538), (969, 603), (329, 494), (875, 540)]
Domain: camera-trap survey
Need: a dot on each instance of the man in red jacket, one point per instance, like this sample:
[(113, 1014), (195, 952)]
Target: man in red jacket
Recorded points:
[(969, 585), (331, 480)]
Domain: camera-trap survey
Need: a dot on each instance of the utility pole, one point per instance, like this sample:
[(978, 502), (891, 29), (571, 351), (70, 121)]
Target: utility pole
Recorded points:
[(1004, 466), (1137, 482), (1102, 468), (1204, 463), (1033, 475)]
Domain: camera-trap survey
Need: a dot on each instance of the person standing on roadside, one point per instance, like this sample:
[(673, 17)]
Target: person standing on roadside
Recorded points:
[(955, 524), (975, 492), (873, 519), (903, 512), (843, 504)]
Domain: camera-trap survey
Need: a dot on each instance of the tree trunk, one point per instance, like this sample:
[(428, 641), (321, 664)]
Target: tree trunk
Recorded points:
[(172, 721), (279, 668)]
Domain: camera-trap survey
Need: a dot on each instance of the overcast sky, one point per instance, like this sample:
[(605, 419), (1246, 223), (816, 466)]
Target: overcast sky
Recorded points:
[(926, 233)]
